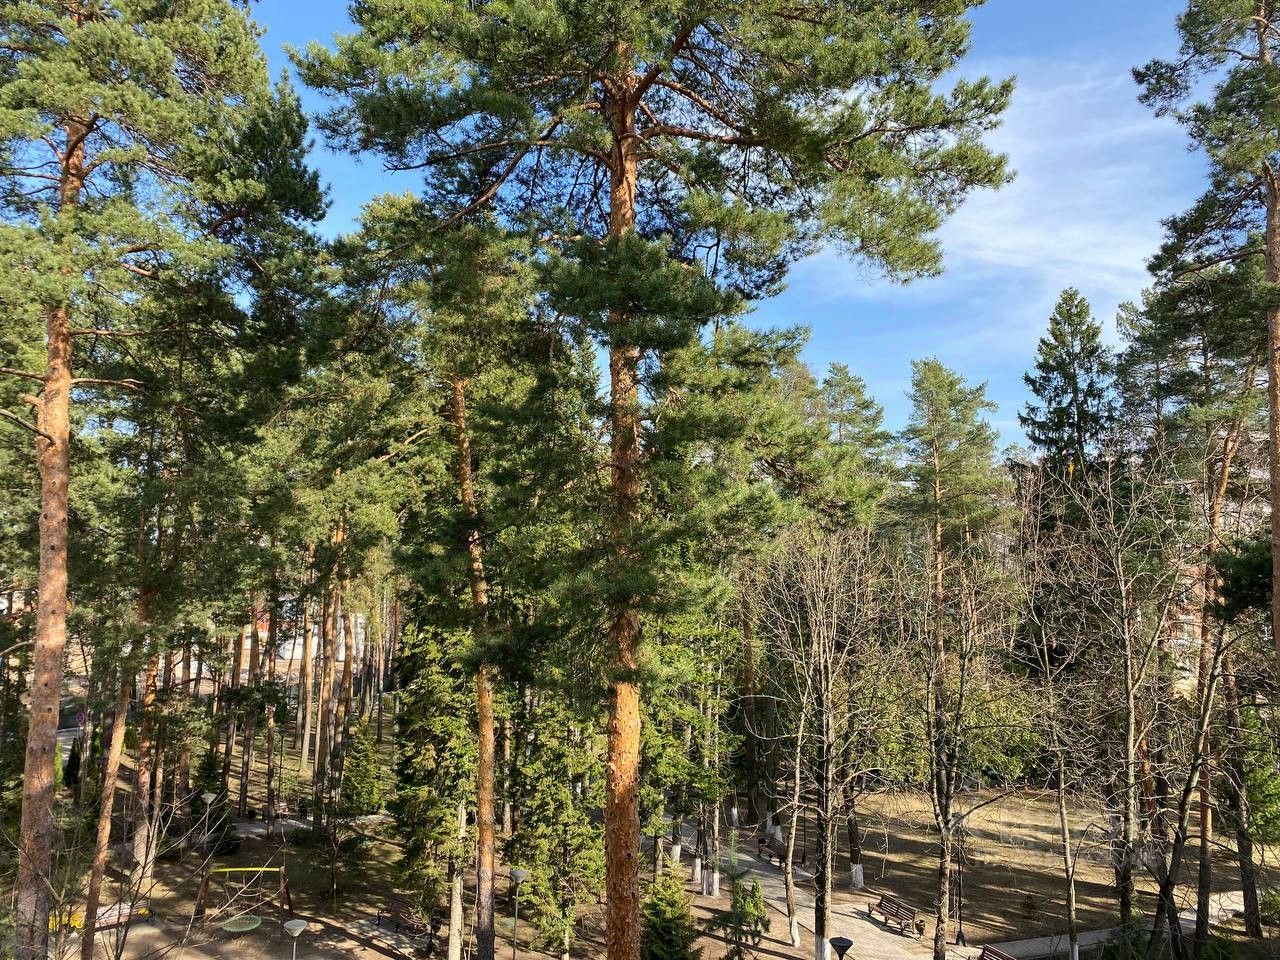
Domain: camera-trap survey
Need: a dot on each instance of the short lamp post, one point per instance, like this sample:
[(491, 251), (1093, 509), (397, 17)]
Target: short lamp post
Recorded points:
[(518, 876), (841, 946), (294, 928), (208, 799)]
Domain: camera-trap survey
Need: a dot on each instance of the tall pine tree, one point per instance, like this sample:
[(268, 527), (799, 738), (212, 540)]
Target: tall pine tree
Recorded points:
[(1234, 45), (646, 134)]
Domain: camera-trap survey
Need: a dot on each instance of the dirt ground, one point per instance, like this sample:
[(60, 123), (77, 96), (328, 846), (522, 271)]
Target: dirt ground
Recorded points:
[(1012, 887), (1012, 864)]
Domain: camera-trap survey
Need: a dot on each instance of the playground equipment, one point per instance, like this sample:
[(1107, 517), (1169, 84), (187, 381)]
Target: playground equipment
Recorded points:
[(243, 894)]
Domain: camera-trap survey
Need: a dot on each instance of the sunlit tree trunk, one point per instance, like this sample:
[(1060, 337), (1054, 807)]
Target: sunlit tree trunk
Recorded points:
[(273, 640), (622, 752), (106, 806), (320, 774), (251, 721), (1271, 258), (145, 768), (53, 454)]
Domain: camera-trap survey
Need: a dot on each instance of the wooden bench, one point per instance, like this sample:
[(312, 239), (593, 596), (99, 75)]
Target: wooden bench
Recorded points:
[(991, 953), (399, 916), (768, 847), (896, 912)]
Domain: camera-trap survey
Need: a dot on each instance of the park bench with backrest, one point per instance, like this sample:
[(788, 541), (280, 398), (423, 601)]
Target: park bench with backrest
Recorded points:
[(895, 911), (770, 848), (991, 953), (400, 917)]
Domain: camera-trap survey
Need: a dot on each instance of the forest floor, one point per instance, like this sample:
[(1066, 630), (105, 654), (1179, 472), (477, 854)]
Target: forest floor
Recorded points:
[(1012, 881)]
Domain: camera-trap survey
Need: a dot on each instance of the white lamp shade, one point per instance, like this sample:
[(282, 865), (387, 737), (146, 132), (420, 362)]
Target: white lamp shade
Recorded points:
[(295, 927)]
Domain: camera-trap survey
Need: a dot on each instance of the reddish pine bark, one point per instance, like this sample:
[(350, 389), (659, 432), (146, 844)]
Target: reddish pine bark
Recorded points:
[(53, 454)]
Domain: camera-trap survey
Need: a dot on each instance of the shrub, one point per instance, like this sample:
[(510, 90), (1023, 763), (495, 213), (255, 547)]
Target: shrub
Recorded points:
[(668, 931), (745, 922), (1269, 904)]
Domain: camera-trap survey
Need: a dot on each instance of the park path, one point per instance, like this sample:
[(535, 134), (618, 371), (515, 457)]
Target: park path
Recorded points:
[(871, 940)]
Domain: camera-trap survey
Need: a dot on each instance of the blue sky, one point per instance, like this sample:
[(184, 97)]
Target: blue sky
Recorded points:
[(1096, 173)]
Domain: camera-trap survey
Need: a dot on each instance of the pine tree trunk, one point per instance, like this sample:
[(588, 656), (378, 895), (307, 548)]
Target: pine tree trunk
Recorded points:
[(349, 619), (713, 854), (306, 703), (53, 454), (182, 780), (273, 639), (1239, 800), (1272, 261), (484, 684), (1204, 868), (237, 663), (750, 743), (320, 774), (251, 722), (143, 842), (622, 759), (155, 825), (484, 817), (302, 717), (102, 835)]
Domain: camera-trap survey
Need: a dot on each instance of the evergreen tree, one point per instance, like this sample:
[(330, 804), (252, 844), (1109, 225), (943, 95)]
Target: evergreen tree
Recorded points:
[(435, 768), (746, 921), (949, 462), (1072, 412), (361, 789), (669, 932), (1229, 52), (557, 789), (859, 446), (649, 133), (146, 113), (856, 418)]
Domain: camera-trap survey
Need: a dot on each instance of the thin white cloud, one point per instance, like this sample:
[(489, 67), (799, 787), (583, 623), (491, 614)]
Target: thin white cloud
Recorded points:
[(1096, 174)]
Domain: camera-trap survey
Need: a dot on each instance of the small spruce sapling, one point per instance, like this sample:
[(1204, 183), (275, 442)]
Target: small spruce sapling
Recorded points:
[(746, 921), (668, 931)]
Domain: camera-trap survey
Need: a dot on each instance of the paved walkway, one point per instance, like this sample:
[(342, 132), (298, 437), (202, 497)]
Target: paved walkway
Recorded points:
[(282, 825), (872, 940)]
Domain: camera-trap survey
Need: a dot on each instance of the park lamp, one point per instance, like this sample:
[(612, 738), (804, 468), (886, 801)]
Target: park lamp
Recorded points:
[(294, 928), (841, 946), (518, 876)]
